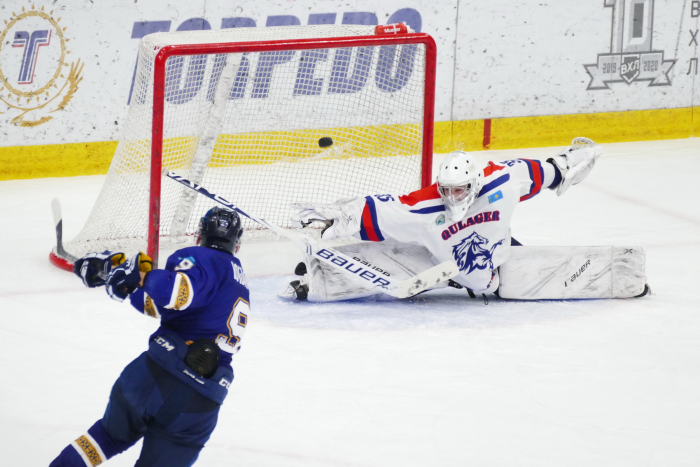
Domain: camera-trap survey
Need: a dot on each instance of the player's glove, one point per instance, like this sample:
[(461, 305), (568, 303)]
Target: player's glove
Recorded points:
[(576, 162), (94, 267), (124, 279), (342, 218)]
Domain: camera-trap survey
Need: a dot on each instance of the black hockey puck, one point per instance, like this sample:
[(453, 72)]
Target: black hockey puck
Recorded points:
[(325, 142)]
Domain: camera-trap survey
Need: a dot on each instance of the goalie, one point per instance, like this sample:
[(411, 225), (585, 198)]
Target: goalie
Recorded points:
[(464, 217)]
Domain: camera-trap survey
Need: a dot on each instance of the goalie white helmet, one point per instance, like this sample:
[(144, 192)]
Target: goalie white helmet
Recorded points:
[(459, 182)]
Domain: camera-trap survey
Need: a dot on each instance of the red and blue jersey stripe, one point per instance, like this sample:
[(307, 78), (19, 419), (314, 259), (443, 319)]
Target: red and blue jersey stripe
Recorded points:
[(429, 193), (536, 175), (493, 184), (491, 168), (369, 227), (424, 194), (429, 209)]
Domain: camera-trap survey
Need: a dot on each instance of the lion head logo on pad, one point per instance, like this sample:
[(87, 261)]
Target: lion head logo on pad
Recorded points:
[(471, 253)]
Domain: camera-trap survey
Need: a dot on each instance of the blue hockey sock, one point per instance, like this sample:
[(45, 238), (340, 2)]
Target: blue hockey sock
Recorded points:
[(82, 452), (69, 457)]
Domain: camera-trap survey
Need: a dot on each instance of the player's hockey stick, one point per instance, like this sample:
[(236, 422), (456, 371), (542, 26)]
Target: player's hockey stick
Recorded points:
[(58, 223), (336, 259)]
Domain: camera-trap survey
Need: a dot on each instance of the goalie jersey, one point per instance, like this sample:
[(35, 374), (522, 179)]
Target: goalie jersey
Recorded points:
[(479, 242), (201, 294)]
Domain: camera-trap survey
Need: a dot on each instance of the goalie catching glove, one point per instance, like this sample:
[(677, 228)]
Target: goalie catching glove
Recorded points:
[(342, 219), (576, 162), (94, 268), (124, 279)]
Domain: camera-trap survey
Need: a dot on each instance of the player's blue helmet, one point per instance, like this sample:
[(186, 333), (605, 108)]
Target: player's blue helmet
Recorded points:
[(220, 229)]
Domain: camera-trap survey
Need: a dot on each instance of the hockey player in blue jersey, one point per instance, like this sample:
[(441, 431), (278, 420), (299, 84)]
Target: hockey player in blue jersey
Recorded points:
[(170, 395)]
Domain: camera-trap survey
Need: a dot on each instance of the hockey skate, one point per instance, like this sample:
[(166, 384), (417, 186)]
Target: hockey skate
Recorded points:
[(297, 290), (645, 292)]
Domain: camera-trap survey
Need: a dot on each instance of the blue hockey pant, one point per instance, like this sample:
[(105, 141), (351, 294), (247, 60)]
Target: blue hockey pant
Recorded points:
[(147, 402)]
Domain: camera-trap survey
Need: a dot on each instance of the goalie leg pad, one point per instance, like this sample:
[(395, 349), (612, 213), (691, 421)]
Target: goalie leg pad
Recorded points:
[(560, 273), (398, 261)]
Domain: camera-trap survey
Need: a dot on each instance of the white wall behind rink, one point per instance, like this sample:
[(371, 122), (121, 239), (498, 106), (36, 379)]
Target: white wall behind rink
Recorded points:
[(496, 59)]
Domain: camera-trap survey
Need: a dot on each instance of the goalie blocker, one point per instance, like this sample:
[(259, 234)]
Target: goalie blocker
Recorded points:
[(531, 273)]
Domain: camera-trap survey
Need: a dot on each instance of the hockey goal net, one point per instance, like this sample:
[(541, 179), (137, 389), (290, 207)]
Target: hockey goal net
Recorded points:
[(249, 114)]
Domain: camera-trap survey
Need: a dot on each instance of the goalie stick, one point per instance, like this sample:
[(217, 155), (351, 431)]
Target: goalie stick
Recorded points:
[(396, 288)]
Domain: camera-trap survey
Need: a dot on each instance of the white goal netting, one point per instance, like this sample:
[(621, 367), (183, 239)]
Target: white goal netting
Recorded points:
[(247, 127)]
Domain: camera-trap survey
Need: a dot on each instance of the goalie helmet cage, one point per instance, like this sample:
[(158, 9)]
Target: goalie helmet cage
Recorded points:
[(242, 112)]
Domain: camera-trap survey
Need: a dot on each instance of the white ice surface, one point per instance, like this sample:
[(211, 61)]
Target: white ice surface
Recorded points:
[(441, 380)]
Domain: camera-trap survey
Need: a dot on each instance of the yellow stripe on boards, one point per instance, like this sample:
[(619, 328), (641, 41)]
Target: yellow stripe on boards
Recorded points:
[(468, 135), (612, 127), (268, 147), (273, 146), (55, 160), (67, 160), (465, 135), (442, 137)]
